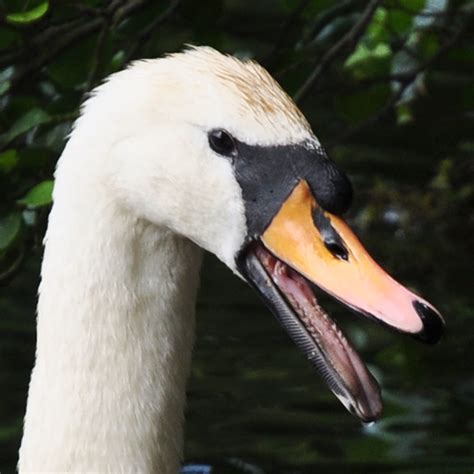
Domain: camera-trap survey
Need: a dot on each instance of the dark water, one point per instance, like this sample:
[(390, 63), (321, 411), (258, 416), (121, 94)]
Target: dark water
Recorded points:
[(256, 406)]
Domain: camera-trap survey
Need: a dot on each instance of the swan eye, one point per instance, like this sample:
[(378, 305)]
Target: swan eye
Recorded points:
[(221, 142)]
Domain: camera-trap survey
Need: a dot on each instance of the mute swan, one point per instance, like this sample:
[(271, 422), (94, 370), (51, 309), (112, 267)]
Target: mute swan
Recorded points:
[(193, 151)]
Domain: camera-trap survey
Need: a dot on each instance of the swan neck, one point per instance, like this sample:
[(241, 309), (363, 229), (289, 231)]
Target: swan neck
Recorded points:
[(115, 332)]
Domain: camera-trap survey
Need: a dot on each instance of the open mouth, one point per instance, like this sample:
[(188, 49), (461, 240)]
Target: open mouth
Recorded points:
[(293, 301), (306, 245)]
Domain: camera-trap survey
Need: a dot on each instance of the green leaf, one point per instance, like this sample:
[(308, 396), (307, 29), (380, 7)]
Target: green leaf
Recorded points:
[(31, 119), (4, 87), (118, 60), (39, 195), (5, 76), (9, 228), (30, 16), (373, 52), (404, 114), (8, 160), (377, 30), (363, 54)]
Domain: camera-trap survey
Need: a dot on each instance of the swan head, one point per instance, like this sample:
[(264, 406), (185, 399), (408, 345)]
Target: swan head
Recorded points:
[(212, 148)]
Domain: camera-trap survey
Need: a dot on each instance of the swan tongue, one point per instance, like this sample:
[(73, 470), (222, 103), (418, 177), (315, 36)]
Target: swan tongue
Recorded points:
[(329, 351)]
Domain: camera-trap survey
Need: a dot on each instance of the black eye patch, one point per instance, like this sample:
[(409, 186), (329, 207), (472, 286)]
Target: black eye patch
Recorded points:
[(268, 174)]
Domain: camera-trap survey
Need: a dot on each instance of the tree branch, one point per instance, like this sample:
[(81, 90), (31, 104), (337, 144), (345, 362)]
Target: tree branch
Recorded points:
[(348, 42), (52, 41), (295, 14), (147, 33), (337, 11), (94, 72)]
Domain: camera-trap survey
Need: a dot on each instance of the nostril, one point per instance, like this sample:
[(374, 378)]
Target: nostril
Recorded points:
[(330, 237), (433, 324), (337, 249)]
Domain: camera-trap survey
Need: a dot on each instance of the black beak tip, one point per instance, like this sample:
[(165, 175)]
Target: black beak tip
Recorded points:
[(433, 324)]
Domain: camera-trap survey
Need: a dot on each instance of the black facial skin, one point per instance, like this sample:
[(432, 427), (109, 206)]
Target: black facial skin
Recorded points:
[(268, 175)]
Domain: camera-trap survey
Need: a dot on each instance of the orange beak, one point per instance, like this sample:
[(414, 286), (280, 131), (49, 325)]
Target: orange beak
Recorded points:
[(321, 247)]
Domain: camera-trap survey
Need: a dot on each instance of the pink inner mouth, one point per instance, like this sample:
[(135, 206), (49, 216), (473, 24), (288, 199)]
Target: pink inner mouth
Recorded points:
[(341, 366)]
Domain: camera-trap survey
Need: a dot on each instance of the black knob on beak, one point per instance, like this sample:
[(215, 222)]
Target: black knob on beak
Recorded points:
[(433, 324)]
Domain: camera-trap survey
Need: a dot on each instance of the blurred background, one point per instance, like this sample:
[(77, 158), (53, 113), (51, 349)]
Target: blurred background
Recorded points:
[(388, 87)]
